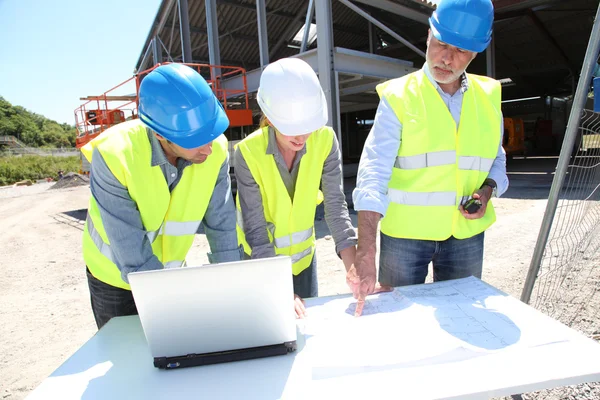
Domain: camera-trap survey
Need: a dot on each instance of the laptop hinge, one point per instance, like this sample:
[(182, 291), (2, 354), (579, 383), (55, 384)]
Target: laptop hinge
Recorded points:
[(194, 360)]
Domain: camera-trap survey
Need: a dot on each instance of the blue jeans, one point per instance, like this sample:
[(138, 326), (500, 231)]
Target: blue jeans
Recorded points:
[(406, 261)]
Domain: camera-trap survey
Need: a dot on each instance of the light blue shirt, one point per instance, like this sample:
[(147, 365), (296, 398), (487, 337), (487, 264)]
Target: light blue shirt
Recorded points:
[(381, 149)]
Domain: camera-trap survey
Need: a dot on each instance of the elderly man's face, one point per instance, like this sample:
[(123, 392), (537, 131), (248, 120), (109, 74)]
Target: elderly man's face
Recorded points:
[(446, 63)]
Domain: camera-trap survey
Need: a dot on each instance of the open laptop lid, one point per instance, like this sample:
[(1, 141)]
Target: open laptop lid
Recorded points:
[(216, 307)]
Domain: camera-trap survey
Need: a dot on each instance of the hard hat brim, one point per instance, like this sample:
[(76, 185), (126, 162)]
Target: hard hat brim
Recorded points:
[(194, 138), (291, 128)]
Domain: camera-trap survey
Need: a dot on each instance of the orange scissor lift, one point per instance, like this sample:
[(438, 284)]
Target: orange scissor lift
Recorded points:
[(99, 113)]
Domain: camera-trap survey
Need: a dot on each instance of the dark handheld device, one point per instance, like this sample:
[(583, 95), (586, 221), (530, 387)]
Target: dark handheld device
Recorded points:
[(472, 206)]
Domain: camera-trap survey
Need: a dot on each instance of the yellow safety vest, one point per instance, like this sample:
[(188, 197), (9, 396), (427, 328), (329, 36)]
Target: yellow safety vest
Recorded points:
[(290, 224), (171, 219), (438, 167)]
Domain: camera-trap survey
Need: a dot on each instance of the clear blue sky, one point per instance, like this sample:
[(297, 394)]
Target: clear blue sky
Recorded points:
[(54, 52)]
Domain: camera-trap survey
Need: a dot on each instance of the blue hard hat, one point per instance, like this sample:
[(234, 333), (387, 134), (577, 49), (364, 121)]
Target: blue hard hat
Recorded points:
[(466, 24), (176, 102)]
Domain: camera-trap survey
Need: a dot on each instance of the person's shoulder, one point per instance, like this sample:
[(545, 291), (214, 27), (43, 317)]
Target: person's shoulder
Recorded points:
[(482, 79), (396, 84)]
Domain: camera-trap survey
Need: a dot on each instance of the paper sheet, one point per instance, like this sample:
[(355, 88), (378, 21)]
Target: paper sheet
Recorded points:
[(413, 326)]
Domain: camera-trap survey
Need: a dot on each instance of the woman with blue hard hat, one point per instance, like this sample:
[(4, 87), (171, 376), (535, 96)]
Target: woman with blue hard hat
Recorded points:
[(279, 170), (153, 181), (432, 161)]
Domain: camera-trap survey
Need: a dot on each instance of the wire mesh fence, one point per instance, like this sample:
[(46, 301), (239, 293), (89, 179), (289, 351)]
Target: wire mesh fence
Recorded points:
[(564, 275), (568, 282)]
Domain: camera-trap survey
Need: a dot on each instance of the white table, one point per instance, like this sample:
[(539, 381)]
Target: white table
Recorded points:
[(460, 339)]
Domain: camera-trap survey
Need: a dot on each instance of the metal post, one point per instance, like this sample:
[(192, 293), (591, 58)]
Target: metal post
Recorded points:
[(145, 58), (307, 22), (184, 31), (383, 27), (338, 120), (156, 50), (565, 154), (212, 28), (490, 57), (325, 61), (263, 40), (371, 38)]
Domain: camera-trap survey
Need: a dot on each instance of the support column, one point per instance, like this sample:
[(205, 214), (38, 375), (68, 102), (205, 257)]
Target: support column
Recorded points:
[(184, 31), (263, 40), (307, 22), (212, 28), (490, 58), (327, 76), (156, 50), (371, 38)]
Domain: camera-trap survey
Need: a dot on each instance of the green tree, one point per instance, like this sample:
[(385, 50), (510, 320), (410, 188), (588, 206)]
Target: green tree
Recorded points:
[(34, 129)]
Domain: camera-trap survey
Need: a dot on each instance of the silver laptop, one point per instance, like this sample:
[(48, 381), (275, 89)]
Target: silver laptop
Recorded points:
[(217, 313)]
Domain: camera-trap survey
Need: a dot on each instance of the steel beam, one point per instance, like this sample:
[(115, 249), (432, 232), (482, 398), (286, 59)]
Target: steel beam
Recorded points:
[(327, 76), (352, 107), (490, 58), (156, 50), (278, 12), (263, 40), (307, 22), (212, 28), (371, 37), (361, 63), (236, 36), (368, 66), (156, 28), (184, 31), (383, 27), (293, 27), (398, 9), (142, 64), (367, 87)]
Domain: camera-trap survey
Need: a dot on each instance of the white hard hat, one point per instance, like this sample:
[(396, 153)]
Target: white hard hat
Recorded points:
[(291, 97)]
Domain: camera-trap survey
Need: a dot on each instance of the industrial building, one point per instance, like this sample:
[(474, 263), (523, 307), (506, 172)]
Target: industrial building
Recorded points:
[(537, 53)]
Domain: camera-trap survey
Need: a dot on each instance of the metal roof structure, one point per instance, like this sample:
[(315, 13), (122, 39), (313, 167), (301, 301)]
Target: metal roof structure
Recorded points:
[(538, 44)]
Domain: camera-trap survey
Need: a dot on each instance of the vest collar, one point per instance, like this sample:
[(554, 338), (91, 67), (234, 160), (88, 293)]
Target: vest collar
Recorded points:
[(274, 150), (158, 154)]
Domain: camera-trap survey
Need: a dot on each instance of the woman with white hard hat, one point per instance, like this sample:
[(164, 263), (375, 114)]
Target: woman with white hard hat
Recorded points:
[(279, 169)]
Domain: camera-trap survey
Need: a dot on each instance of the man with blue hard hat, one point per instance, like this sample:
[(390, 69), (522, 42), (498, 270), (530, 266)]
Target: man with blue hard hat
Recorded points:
[(432, 161), (154, 181)]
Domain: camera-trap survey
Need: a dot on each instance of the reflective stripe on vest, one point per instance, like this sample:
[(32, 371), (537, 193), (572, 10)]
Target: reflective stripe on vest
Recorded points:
[(285, 241), (294, 238), (299, 256), (437, 158), (171, 228), (174, 264), (424, 198)]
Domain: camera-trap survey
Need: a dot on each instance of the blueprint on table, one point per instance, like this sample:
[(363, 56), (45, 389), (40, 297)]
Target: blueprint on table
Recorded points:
[(422, 325)]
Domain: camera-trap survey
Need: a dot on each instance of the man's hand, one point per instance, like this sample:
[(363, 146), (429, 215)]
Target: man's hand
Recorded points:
[(365, 280), (482, 195), (362, 279), (299, 307), (361, 276)]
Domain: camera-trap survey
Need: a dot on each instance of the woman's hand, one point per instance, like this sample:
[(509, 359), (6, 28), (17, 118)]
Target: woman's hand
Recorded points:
[(299, 307)]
